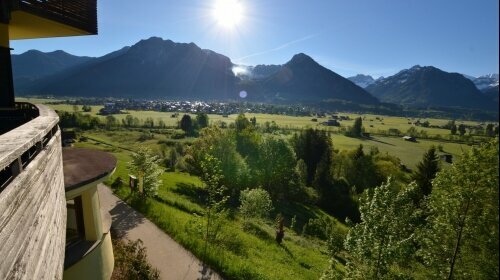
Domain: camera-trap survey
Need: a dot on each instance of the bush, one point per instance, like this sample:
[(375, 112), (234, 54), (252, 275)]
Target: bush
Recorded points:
[(255, 203), (131, 263)]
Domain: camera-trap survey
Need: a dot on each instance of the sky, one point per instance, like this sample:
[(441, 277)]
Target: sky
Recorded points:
[(374, 37)]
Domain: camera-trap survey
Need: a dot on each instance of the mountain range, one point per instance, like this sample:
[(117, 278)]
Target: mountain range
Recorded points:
[(157, 68), (428, 86)]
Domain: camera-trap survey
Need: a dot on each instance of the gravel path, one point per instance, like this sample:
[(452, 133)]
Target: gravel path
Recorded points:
[(171, 259)]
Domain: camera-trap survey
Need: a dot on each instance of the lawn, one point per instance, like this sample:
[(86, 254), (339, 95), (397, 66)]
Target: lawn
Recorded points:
[(410, 153)]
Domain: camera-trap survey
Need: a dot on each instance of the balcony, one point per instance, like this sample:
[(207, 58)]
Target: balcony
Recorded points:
[(32, 196), (21, 114), (52, 18)]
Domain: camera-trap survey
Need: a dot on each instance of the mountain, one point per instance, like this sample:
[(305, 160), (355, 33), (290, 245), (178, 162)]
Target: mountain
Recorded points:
[(157, 68), (303, 79), (492, 93), (257, 72), (35, 64), (429, 87), (486, 81), (362, 80), (152, 68)]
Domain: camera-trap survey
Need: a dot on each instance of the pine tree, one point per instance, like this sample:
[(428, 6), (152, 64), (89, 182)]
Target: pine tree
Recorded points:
[(426, 171)]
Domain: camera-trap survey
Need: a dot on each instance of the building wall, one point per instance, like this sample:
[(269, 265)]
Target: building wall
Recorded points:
[(33, 216), (97, 264)]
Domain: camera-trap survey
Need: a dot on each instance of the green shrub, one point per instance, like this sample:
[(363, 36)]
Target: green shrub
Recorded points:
[(131, 263)]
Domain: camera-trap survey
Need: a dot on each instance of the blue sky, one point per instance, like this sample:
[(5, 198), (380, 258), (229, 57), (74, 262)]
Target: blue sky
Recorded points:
[(373, 37)]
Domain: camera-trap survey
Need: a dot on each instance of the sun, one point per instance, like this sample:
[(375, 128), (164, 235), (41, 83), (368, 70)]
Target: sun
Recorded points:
[(228, 13)]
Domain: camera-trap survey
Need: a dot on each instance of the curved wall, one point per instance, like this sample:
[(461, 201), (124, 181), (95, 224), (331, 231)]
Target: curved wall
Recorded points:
[(33, 205)]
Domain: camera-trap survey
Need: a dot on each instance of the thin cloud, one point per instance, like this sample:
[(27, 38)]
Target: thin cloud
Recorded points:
[(283, 46)]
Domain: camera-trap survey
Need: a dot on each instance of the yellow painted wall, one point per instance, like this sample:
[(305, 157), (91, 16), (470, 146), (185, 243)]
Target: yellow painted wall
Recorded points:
[(97, 265), (24, 25)]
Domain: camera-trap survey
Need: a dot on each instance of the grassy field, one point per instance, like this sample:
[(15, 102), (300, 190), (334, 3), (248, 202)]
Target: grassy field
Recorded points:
[(243, 254), (370, 122)]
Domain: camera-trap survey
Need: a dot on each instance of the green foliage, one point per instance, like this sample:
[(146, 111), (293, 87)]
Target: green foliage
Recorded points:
[(462, 237), (461, 129), (186, 124), (146, 167), (241, 122), (276, 168), (311, 145), (426, 172), (202, 120), (111, 122), (255, 203), (356, 129), (220, 144), (131, 262), (216, 200), (78, 120), (86, 108), (385, 237)]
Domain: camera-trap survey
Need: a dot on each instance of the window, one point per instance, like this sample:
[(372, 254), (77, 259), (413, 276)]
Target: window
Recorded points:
[(75, 230)]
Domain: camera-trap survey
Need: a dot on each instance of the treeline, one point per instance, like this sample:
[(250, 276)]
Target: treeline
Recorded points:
[(304, 168)]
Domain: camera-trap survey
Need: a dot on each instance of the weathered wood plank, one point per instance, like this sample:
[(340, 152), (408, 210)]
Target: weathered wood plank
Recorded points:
[(33, 208)]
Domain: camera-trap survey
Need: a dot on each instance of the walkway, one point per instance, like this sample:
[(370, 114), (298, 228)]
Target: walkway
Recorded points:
[(171, 259)]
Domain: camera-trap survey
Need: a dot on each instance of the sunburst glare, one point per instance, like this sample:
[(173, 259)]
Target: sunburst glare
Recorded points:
[(228, 13)]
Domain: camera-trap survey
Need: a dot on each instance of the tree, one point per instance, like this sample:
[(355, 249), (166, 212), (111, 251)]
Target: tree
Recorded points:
[(276, 168), (461, 129), (489, 130), (386, 234), (202, 120), (146, 166), (255, 203), (111, 122), (186, 124), (453, 129), (220, 144), (426, 172), (149, 122), (216, 199), (310, 145), (241, 122), (86, 108), (461, 238), (356, 129)]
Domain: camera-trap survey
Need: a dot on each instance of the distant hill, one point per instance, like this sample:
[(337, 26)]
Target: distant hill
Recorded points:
[(362, 80), (303, 79), (152, 68), (34, 64), (430, 87), (157, 68), (492, 92)]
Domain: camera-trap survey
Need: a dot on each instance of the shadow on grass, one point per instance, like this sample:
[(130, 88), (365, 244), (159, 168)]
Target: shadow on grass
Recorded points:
[(379, 141), (258, 231), (291, 209), (193, 193)]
